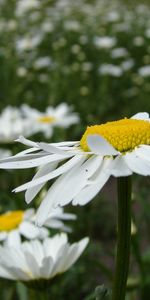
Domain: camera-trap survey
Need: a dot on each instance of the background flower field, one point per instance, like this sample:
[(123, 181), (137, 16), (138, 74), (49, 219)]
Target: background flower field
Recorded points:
[(94, 56)]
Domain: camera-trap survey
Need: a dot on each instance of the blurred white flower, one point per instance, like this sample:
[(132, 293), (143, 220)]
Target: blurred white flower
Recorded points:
[(127, 64), (72, 25), (112, 16), (37, 260), (14, 224), (138, 41), (42, 62), (21, 72), (144, 71), (47, 26), (28, 43), (23, 6), (105, 42), (12, 125), (109, 69), (60, 116), (119, 52)]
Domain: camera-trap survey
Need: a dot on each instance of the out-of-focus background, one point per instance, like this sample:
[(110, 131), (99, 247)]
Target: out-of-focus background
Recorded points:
[(94, 56)]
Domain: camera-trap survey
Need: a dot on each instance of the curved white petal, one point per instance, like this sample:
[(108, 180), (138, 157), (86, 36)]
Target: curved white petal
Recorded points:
[(90, 191), (29, 213), (119, 167), (26, 142), (100, 146), (19, 274), (46, 267), (68, 185), (29, 230), (73, 254), (31, 162), (33, 191), (5, 273), (51, 174), (3, 235), (144, 152), (32, 264), (141, 116), (13, 238), (137, 164)]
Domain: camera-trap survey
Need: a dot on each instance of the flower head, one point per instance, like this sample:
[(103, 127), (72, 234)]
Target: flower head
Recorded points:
[(61, 116), (116, 148), (12, 125), (14, 224), (37, 261)]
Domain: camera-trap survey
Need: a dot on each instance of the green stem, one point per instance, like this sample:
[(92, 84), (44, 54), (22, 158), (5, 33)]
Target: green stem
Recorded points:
[(124, 238)]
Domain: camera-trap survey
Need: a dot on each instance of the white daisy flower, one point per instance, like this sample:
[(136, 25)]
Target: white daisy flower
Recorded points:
[(37, 262), (15, 224), (12, 125), (60, 116), (105, 42), (116, 148)]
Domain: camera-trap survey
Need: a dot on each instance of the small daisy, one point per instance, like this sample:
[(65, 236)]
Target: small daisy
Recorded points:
[(15, 224), (12, 125), (37, 262), (60, 116), (117, 148)]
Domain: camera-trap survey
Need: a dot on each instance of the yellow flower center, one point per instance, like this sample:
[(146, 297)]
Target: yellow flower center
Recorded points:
[(11, 220), (46, 119), (123, 135)]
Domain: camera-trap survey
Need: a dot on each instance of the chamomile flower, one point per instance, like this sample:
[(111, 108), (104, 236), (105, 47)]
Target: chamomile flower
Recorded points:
[(117, 148), (19, 223), (60, 116), (37, 262), (12, 125), (14, 224)]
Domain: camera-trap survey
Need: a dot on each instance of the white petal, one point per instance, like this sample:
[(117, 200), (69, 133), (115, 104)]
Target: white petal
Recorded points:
[(13, 238), (28, 151), (3, 236), (99, 145), (62, 169), (119, 168), (46, 268), (29, 230), (19, 274), (4, 273), (67, 185), (61, 144), (137, 164), (141, 116), (28, 162), (51, 148), (29, 213), (74, 252), (144, 152), (89, 192), (33, 265), (27, 142), (32, 192)]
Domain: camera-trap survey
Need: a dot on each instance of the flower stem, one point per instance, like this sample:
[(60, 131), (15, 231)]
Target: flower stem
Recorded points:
[(124, 238)]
